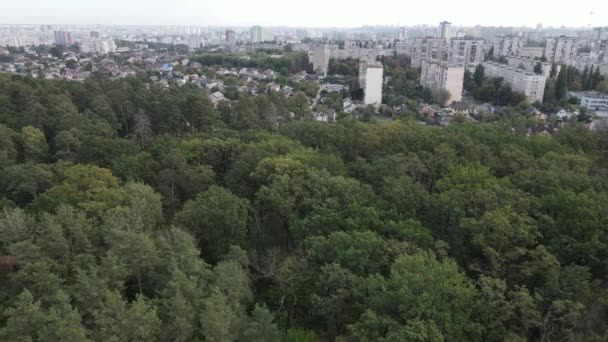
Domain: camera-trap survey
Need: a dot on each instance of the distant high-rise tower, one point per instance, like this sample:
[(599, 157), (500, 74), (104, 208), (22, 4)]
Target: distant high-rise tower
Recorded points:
[(63, 38), (256, 34), (319, 53), (402, 33), (94, 35), (374, 73), (230, 38), (444, 29)]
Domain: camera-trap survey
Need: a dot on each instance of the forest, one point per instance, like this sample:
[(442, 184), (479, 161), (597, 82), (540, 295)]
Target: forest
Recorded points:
[(133, 213)]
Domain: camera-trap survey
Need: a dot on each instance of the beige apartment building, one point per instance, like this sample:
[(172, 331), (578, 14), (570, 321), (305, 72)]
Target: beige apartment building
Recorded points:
[(439, 75), (529, 83)]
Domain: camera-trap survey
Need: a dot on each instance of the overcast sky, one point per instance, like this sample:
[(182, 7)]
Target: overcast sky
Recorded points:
[(310, 13)]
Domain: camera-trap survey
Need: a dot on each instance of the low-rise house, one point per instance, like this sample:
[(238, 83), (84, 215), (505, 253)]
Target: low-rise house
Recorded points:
[(460, 108), (216, 98), (542, 129), (273, 86)]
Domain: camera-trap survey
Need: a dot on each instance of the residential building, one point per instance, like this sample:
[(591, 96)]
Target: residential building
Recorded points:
[(100, 46), (95, 35), (374, 76), (600, 33), (444, 29), (424, 49), (439, 75), (507, 46), (465, 51), (561, 50), (532, 52), (402, 33), (592, 100), (230, 38), (255, 34), (63, 38), (531, 84), (529, 65), (319, 54)]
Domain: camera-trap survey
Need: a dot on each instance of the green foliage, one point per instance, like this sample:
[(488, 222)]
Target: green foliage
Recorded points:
[(217, 219), (134, 213)]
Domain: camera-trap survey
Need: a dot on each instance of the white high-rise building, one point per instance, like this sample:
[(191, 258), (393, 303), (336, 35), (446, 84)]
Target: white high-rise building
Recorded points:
[(319, 54), (402, 33), (230, 38), (466, 52), (531, 84), (561, 50), (63, 38), (374, 79), (256, 34), (259, 34), (507, 46), (438, 75), (444, 29), (100, 46)]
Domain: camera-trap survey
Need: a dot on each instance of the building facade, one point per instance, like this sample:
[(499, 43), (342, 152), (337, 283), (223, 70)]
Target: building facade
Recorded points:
[(374, 80), (230, 38), (100, 46), (529, 65), (531, 84), (63, 38), (532, 52), (507, 46), (437, 75), (319, 55), (444, 29), (561, 50)]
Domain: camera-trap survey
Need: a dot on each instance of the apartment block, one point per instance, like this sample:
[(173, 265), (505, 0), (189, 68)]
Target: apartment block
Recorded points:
[(439, 75), (529, 83), (374, 76), (319, 55)]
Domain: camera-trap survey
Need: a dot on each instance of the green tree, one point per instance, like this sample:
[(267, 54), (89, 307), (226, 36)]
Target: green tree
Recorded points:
[(33, 144), (261, 327), (561, 85), (217, 219)]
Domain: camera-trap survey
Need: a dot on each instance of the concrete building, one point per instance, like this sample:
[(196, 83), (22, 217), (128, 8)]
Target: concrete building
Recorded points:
[(507, 46), (592, 100), (600, 33), (63, 38), (402, 33), (259, 34), (319, 54), (532, 52), (230, 38), (255, 34), (529, 65), (467, 52), (374, 80), (531, 84), (424, 49), (95, 35), (195, 42), (438, 75), (561, 50), (444, 29), (100, 46)]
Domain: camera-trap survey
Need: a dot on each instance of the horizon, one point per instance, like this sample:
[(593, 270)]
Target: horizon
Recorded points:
[(315, 14)]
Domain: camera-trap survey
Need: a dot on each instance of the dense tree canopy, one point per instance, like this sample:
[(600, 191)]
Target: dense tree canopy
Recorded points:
[(131, 213)]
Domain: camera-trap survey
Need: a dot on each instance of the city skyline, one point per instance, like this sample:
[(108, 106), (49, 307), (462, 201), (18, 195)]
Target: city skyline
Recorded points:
[(315, 13)]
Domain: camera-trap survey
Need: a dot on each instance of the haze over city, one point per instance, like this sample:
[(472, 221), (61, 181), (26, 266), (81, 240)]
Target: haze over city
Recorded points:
[(312, 13)]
